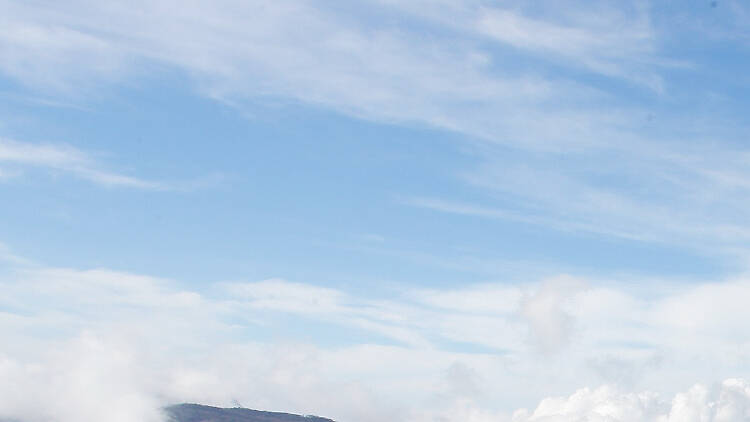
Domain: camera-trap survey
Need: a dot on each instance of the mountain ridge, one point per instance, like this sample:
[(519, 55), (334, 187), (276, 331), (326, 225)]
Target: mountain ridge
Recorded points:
[(192, 412)]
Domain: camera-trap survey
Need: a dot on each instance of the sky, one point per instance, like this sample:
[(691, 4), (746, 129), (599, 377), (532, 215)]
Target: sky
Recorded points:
[(413, 211)]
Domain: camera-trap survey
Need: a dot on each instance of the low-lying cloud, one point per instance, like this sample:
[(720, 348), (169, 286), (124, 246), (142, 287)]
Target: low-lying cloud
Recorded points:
[(90, 345), (726, 402)]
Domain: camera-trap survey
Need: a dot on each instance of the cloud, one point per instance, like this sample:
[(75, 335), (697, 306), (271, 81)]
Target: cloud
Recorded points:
[(614, 41), (729, 402), (49, 56), (81, 343), (19, 156), (281, 295), (529, 217), (559, 87), (480, 299), (242, 53), (462, 381), (683, 196), (8, 256), (83, 379), (550, 324), (608, 41), (327, 304), (44, 155)]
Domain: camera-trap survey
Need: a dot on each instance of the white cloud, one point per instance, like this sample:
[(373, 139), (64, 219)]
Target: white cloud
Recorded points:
[(690, 197), (68, 159), (730, 402), (550, 324), (43, 155), (282, 295), (617, 40), (88, 342), (451, 65), (83, 379), (607, 41), (18, 157), (49, 56), (8, 256), (482, 299), (302, 51)]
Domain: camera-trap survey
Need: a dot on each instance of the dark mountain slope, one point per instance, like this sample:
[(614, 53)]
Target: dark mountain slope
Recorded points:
[(199, 413)]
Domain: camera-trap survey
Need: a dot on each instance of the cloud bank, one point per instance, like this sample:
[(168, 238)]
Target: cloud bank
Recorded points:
[(87, 345)]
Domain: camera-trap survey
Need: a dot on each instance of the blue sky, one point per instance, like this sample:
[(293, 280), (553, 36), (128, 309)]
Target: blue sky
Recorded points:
[(433, 210)]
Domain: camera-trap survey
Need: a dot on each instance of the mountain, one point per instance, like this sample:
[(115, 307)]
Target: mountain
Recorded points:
[(198, 413)]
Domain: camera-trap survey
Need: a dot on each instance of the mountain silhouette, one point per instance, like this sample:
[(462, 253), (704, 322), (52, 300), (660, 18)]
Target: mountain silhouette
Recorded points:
[(188, 412)]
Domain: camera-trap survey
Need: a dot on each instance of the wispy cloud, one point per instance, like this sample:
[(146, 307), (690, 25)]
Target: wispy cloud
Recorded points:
[(327, 57), (689, 196), (618, 42), (491, 72), (528, 217), (18, 156), (8, 256), (607, 41)]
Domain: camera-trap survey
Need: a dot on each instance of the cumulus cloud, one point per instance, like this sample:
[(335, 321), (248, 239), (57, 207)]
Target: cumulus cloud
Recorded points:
[(83, 379), (728, 402)]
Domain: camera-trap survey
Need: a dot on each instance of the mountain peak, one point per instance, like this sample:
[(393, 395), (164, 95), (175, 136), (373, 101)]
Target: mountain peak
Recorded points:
[(189, 412)]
